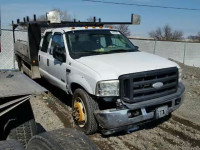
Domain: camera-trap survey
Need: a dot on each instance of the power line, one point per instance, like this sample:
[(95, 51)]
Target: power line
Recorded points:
[(142, 5)]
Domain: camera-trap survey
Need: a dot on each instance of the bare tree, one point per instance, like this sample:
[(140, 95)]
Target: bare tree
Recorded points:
[(177, 35), (90, 19), (195, 38), (124, 29), (166, 34)]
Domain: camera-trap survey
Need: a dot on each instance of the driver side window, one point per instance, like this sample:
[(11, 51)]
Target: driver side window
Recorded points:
[(57, 42)]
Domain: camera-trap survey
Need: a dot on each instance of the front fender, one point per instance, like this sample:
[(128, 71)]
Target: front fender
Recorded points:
[(82, 81)]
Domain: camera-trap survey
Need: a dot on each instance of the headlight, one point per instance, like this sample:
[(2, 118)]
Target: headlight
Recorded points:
[(107, 88), (179, 74)]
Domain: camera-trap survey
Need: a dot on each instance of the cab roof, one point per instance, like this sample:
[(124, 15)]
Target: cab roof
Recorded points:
[(67, 29)]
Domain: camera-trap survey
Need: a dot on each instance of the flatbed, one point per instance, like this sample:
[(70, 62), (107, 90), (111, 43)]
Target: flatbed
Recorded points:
[(17, 124), (15, 83), (16, 115)]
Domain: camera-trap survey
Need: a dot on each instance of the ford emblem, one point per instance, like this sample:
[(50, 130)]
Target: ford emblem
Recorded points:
[(157, 85)]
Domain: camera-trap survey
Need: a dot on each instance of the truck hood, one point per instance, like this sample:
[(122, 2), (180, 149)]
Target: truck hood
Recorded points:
[(111, 66)]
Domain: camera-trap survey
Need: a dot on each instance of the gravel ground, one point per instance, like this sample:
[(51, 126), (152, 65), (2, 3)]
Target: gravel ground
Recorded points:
[(44, 115), (190, 109), (181, 131)]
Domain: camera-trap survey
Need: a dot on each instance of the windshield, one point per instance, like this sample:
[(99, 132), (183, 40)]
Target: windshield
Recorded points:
[(96, 42)]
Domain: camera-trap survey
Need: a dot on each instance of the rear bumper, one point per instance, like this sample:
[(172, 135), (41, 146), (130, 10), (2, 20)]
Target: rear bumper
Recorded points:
[(115, 118)]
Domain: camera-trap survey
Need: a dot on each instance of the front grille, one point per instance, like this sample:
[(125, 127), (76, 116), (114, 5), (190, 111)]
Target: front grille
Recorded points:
[(138, 87)]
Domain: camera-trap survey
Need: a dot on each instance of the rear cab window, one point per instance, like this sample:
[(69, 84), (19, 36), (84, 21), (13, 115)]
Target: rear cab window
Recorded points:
[(46, 40)]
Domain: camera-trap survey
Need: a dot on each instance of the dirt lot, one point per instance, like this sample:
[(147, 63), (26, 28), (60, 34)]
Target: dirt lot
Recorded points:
[(181, 131), (191, 107)]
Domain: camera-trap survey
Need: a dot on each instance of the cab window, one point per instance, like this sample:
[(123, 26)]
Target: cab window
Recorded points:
[(46, 40), (57, 42)]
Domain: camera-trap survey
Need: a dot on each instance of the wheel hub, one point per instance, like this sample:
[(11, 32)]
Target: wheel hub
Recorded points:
[(78, 112)]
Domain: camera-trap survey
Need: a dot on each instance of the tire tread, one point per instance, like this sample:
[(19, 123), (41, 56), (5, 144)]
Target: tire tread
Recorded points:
[(24, 132), (62, 139)]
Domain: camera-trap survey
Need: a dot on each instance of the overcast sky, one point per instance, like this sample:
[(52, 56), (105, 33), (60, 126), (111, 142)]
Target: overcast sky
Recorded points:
[(184, 20)]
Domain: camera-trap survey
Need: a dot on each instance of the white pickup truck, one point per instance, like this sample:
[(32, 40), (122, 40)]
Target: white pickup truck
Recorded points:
[(114, 85)]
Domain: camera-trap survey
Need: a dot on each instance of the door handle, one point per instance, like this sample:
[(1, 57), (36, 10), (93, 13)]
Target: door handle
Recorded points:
[(68, 70), (47, 62)]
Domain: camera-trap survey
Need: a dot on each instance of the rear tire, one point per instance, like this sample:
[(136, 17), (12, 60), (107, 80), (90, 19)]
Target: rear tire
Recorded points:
[(11, 145), (19, 62), (91, 125), (24, 132), (62, 139), (21, 67)]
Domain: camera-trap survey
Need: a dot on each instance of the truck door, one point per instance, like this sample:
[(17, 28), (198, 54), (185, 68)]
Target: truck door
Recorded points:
[(43, 54), (57, 61)]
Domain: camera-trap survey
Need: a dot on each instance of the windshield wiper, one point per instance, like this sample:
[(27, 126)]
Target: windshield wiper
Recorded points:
[(88, 53), (119, 51)]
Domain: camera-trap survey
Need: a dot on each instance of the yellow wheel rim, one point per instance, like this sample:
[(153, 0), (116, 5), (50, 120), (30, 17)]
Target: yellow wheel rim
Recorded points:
[(79, 112)]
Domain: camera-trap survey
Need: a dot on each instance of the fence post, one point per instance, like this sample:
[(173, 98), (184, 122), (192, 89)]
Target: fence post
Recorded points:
[(14, 58), (13, 38), (154, 47), (184, 52)]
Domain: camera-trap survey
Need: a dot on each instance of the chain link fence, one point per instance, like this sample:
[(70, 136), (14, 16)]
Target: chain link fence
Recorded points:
[(184, 52), (7, 51), (7, 57)]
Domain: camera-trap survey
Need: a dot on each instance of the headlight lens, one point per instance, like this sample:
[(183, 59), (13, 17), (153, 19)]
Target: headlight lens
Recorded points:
[(107, 88), (180, 74)]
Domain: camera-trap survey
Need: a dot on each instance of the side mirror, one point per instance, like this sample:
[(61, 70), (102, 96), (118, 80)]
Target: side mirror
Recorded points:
[(136, 47), (59, 54)]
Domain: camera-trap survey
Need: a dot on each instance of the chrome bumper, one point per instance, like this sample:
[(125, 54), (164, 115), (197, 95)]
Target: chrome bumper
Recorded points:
[(115, 118)]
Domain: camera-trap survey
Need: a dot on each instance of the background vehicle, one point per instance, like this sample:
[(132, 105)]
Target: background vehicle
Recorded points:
[(16, 115), (18, 128), (114, 85)]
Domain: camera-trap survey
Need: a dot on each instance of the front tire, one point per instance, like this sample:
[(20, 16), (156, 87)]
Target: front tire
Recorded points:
[(84, 106)]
